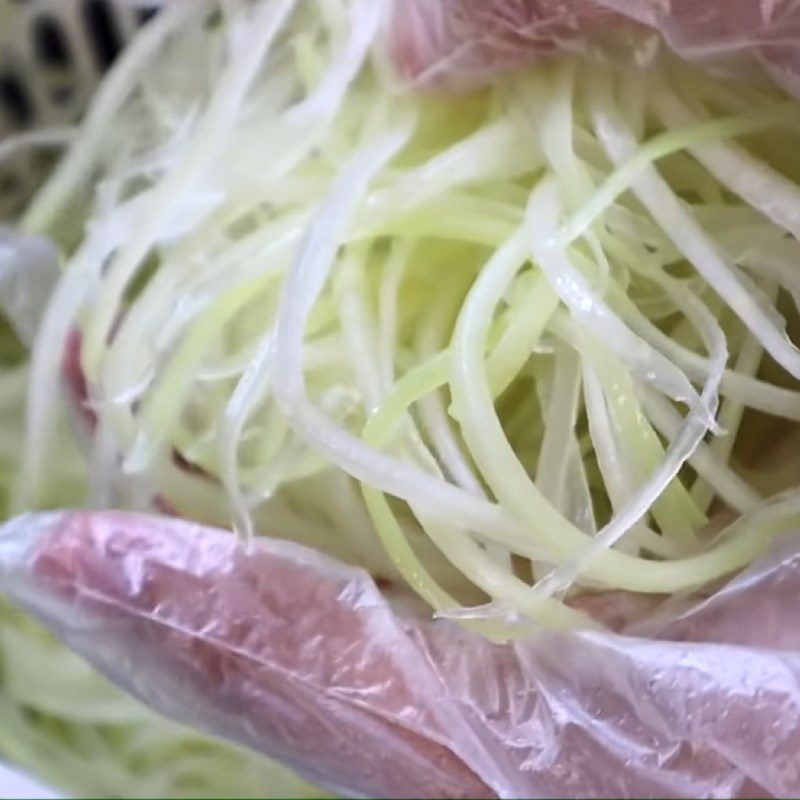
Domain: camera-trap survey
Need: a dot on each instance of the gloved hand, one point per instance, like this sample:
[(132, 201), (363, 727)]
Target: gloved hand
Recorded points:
[(302, 658), (288, 652)]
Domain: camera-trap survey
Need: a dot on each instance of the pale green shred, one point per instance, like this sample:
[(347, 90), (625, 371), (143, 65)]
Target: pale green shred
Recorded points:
[(501, 347), (300, 219)]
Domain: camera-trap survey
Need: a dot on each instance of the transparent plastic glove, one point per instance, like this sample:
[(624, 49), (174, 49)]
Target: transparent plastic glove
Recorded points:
[(452, 43), (297, 656)]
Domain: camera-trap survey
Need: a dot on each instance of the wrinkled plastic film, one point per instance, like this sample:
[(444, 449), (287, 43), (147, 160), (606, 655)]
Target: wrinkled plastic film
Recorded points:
[(703, 30), (460, 43), (292, 654)]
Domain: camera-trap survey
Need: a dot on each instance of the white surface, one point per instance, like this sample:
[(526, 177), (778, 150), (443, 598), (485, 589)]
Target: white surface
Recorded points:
[(15, 785)]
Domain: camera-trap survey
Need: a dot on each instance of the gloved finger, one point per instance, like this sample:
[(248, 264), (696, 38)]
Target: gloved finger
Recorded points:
[(605, 716), (460, 42), (767, 29), (705, 704), (699, 29), (279, 648)]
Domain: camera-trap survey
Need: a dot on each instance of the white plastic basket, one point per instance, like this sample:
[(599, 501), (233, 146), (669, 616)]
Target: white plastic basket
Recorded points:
[(52, 55)]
